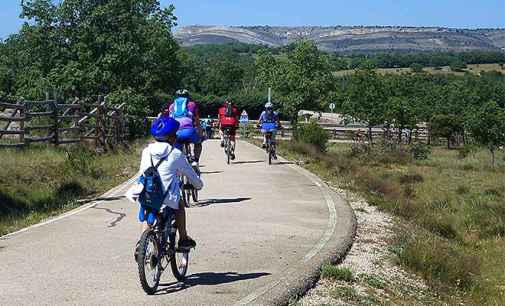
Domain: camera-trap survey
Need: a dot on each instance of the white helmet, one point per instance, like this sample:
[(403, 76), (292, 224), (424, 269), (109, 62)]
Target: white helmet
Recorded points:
[(269, 105)]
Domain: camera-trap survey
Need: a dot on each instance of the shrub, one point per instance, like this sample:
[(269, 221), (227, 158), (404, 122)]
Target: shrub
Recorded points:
[(466, 150), (337, 273), (420, 151), (437, 259), (312, 134)]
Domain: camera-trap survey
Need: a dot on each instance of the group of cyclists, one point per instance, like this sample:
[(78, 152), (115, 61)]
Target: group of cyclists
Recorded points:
[(177, 124)]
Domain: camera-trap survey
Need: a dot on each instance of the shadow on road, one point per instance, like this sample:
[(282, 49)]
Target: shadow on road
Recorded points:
[(248, 162), (207, 279), (283, 163), (219, 201), (117, 220), (211, 172)]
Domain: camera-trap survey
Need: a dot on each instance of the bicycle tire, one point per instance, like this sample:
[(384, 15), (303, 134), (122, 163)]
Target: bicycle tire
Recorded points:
[(269, 154), (147, 237), (194, 195), (178, 271)]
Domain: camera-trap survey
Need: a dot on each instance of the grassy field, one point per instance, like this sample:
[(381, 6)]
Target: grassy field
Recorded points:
[(451, 207), (41, 182), (475, 69)]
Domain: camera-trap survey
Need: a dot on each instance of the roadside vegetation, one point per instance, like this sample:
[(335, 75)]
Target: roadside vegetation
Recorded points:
[(42, 181), (449, 204)]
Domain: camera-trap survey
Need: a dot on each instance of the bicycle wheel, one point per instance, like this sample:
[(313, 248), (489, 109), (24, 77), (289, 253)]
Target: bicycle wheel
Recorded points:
[(269, 154), (180, 261), (185, 192), (149, 263), (227, 150)]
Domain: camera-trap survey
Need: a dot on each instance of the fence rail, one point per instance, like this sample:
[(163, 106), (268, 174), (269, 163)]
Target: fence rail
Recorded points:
[(48, 121)]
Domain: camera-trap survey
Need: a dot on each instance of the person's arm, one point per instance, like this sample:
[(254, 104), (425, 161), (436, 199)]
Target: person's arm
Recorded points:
[(185, 169)]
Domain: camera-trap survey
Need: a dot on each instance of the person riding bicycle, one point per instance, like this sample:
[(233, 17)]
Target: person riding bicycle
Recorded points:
[(172, 162), (269, 122), (185, 111), (228, 119), (206, 125)]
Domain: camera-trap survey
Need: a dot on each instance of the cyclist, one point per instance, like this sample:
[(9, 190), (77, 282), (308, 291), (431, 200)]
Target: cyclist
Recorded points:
[(228, 119), (185, 111), (164, 131), (269, 122), (206, 125)]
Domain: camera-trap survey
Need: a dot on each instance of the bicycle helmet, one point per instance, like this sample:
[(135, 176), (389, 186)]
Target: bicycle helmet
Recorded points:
[(164, 127), (182, 93), (269, 105)]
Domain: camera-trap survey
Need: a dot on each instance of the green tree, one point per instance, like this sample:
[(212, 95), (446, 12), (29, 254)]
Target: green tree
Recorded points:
[(86, 47), (365, 99), (487, 125), (303, 80)]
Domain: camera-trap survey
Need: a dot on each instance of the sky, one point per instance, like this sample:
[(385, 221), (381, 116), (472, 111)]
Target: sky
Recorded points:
[(443, 13)]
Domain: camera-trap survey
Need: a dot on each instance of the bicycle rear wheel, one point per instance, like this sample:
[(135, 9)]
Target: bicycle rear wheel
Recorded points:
[(227, 149), (179, 262), (149, 262)]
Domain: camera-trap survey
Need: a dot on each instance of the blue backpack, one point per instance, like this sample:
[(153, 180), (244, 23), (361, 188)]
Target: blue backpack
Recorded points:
[(181, 108), (152, 196)]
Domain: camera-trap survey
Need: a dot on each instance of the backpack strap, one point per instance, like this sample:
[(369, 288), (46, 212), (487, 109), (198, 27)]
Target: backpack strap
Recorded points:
[(161, 160)]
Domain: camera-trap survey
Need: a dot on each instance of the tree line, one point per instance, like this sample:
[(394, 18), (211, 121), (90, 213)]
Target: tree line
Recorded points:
[(125, 49)]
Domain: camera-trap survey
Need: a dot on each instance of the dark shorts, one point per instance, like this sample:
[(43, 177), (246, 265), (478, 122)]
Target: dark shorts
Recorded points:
[(231, 128)]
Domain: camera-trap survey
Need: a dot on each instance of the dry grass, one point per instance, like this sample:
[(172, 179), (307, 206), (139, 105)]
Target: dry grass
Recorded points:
[(42, 181), (454, 209), (474, 68)]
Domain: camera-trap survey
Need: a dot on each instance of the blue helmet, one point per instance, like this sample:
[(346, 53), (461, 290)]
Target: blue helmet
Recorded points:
[(163, 127)]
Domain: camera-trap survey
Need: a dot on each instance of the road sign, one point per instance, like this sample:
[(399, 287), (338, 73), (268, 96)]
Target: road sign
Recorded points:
[(332, 106), (244, 117)]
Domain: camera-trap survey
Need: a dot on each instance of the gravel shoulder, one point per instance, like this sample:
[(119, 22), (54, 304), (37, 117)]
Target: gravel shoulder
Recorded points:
[(376, 279)]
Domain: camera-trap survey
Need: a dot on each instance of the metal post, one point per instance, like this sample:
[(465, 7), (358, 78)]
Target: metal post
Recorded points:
[(269, 94)]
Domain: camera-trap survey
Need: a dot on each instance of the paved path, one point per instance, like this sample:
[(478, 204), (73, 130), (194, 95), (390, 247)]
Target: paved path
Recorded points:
[(260, 229)]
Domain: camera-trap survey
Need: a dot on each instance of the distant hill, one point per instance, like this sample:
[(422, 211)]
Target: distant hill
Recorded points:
[(351, 39)]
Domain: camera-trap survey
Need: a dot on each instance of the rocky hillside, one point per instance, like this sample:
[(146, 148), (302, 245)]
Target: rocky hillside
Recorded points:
[(350, 39)]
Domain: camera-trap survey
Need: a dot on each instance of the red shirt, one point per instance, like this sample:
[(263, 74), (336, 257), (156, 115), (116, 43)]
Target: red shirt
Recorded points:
[(227, 121)]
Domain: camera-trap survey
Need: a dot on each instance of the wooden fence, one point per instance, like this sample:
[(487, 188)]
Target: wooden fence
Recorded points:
[(48, 121)]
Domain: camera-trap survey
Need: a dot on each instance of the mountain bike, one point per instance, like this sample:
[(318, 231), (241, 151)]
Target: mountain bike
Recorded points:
[(189, 193), (157, 249)]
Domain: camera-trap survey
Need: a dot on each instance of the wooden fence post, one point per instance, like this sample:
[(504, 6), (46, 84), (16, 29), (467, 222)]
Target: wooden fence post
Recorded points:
[(22, 113), (54, 107)]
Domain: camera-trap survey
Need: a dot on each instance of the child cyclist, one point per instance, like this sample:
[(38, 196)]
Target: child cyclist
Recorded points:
[(171, 163)]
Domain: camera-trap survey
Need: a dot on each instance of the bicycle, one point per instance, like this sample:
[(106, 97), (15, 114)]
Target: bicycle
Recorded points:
[(189, 193), (228, 149), (157, 248)]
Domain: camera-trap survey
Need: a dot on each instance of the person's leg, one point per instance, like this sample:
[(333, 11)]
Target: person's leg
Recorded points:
[(221, 136), (232, 143), (198, 151), (264, 139), (180, 220)]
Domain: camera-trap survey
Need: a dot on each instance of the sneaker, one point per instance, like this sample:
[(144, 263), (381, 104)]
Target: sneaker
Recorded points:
[(187, 243), (194, 163), (222, 144), (232, 155), (263, 145)]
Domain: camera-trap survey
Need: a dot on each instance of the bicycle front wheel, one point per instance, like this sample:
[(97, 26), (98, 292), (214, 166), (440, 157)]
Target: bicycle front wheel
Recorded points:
[(149, 262)]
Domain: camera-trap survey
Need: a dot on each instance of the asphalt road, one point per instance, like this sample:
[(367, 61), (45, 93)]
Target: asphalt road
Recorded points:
[(261, 231)]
